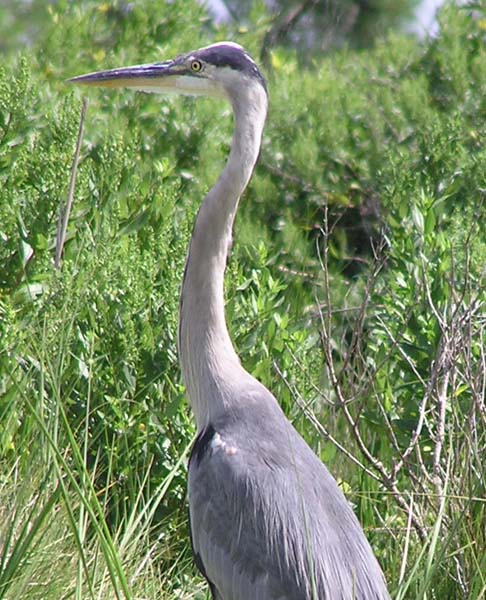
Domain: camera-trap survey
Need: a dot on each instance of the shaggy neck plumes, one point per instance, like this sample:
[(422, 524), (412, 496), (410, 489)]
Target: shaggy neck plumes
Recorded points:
[(208, 359)]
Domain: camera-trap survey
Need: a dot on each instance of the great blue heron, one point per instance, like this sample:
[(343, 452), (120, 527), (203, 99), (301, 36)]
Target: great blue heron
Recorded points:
[(268, 521)]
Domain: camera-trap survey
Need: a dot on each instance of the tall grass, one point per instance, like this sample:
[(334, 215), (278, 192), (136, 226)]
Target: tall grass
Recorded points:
[(56, 541)]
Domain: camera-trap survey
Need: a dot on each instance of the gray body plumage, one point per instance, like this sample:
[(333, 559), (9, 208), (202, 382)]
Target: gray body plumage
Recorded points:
[(268, 521)]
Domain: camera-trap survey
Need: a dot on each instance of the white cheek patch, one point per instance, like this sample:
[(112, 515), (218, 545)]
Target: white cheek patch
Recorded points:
[(179, 84), (198, 86), (218, 444)]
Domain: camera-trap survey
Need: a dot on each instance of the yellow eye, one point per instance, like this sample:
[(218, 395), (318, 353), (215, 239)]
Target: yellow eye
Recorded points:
[(196, 66)]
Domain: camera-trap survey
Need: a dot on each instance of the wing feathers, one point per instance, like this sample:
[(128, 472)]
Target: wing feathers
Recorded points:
[(269, 521)]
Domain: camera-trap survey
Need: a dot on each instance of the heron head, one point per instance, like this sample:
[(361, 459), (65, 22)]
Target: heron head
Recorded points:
[(219, 70)]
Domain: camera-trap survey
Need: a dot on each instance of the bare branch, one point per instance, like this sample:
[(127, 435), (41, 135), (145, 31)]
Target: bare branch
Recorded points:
[(63, 219)]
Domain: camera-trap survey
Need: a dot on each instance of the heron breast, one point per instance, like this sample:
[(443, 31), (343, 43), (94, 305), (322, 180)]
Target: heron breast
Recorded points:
[(208, 443), (218, 444)]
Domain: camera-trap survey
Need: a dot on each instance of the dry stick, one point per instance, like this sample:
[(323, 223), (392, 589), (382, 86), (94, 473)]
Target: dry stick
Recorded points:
[(476, 304), (64, 214), (480, 397), (314, 387), (318, 426), (413, 443), (357, 333), (443, 360), (325, 329), (467, 248), (422, 410), (350, 368), (407, 543), (451, 344), (362, 389), (324, 262), (440, 436), (476, 380), (386, 479), (391, 433)]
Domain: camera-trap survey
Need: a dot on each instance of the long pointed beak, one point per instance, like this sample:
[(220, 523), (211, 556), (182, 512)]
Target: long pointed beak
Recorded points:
[(162, 77), (152, 77)]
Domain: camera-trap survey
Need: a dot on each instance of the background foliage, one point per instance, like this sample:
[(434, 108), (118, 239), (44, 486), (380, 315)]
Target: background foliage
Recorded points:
[(355, 292), (311, 27)]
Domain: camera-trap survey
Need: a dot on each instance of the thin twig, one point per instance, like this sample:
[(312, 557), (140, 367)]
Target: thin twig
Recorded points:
[(320, 427), (385, 477), (407, 543), (62, 222)]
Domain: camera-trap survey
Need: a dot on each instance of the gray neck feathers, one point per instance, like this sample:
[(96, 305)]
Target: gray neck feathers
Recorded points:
[(210, 365)]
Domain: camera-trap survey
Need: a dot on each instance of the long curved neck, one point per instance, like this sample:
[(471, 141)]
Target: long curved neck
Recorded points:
[(210, 365)]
